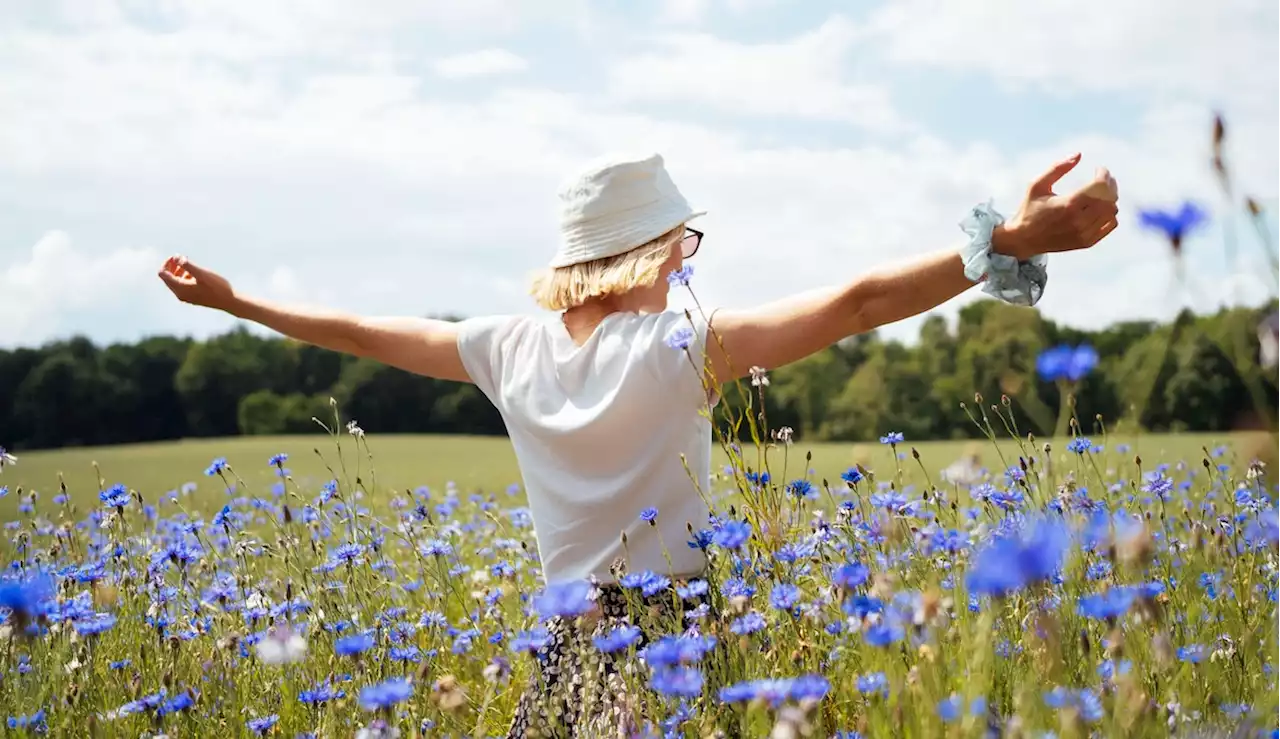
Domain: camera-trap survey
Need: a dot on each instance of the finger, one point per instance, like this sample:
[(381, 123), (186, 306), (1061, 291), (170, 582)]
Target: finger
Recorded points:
[(1045, 182), (171, 281), (1090, 198), (1097, 224), (1100, 233)]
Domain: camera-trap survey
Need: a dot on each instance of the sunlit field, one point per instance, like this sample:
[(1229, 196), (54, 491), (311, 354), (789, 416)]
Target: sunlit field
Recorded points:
[(389, 586), (483, 463)]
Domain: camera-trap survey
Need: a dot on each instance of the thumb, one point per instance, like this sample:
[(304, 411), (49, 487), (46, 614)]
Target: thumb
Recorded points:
[(172, 281), (1044, 184)]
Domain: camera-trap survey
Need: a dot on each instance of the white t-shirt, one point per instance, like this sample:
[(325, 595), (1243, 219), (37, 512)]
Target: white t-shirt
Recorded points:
[(601, 432)]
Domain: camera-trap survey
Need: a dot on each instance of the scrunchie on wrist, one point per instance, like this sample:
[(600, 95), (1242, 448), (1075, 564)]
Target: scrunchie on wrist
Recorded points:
[(1003, 276)]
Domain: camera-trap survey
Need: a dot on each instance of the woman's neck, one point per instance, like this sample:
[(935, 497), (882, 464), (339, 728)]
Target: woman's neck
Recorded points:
[(581, 320)]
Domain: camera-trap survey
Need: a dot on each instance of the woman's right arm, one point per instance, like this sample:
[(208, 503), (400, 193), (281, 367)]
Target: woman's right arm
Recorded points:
[(423, 346)]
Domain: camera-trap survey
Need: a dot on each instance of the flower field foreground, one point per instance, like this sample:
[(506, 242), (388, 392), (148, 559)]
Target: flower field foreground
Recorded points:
[(1072, 592)]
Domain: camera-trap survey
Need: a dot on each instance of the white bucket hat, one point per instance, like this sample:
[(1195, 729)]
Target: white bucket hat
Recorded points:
[(616, 204)]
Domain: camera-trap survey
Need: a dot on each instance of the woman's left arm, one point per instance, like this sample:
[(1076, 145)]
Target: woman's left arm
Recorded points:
[(785, 331)]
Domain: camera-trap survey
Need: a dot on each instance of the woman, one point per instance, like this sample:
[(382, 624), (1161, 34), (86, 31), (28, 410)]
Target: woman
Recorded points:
[(605, 399)]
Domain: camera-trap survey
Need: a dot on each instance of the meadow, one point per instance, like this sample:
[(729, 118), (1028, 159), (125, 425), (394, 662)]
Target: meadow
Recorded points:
[(353, 585), (411, 460)]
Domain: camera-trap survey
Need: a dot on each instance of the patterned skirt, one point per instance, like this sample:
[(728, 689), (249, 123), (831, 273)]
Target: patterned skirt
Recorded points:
[(579, 692)]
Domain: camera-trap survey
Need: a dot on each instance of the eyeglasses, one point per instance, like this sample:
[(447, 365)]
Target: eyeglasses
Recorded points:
[(690, 243)]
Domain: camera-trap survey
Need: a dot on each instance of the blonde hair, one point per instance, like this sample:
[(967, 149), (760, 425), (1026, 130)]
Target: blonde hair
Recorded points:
[(562, 288)]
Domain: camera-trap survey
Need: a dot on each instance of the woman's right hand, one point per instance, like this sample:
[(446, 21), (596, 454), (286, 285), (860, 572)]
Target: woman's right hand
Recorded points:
[(196, 285)]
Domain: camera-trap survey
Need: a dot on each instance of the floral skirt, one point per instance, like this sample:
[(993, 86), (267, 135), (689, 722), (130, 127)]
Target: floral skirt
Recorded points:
[(577, 691)]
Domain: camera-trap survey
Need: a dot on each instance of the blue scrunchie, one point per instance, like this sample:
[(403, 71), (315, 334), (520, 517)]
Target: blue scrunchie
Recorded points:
[(1003, 276)]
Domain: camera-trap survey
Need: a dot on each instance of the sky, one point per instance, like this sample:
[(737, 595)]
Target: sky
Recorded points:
[(403, 157)]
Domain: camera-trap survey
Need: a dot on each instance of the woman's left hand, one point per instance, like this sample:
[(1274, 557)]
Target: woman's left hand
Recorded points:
[(1048, 222)]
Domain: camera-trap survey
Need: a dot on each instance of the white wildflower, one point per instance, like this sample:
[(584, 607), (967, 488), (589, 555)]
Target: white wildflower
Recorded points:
[(281, 646)]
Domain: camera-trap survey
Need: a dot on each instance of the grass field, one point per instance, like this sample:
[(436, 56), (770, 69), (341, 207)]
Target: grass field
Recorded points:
[(488, 463), (1087, 596)]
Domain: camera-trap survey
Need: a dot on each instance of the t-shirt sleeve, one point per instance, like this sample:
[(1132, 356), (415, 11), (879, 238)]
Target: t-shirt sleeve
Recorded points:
[(678, 354), (479, 346)]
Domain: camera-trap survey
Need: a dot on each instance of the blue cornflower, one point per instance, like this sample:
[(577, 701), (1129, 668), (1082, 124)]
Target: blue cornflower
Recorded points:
[(1006, 500), (1264, 530), (650, 583), (683, 682), (771, 691), (649, 515), (27, 597), (784, 596), (436, 548), (702, 538), (1064, 362), (93, 626), (618, 639), (1079, 445), (749, 623), (117, 496), (873, 682), (354, 644), (692, 589), (885, 632), (216, 467), (261, 726), (408, 653), (677, 650), (178, 703), (949, 708), (1176, 224), (809, 688), (531, 641), (1084, 701), (851, 575), (320, 694), (1155, 483), (732, 535), (348, 552), (861, 606), (1013, 561), (385, 694), (679, 337), (802, 489), (893, 437), (565, 599), (853, 476), (681, 276), (34, 721)]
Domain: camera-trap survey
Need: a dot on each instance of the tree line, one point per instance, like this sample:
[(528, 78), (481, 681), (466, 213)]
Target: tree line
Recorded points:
[(1196, 373)]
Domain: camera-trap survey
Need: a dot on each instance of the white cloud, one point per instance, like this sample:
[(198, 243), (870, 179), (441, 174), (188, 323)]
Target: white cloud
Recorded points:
[(683, 11), (1151, 47), (284, 284), (802, 77), (483, 63), (56, 284), (372, 193)]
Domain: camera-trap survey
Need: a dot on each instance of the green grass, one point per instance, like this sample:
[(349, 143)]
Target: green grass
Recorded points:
[(409, 461)]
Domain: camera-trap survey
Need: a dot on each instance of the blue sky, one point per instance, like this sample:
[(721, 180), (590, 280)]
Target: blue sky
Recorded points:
[(405, 160)]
